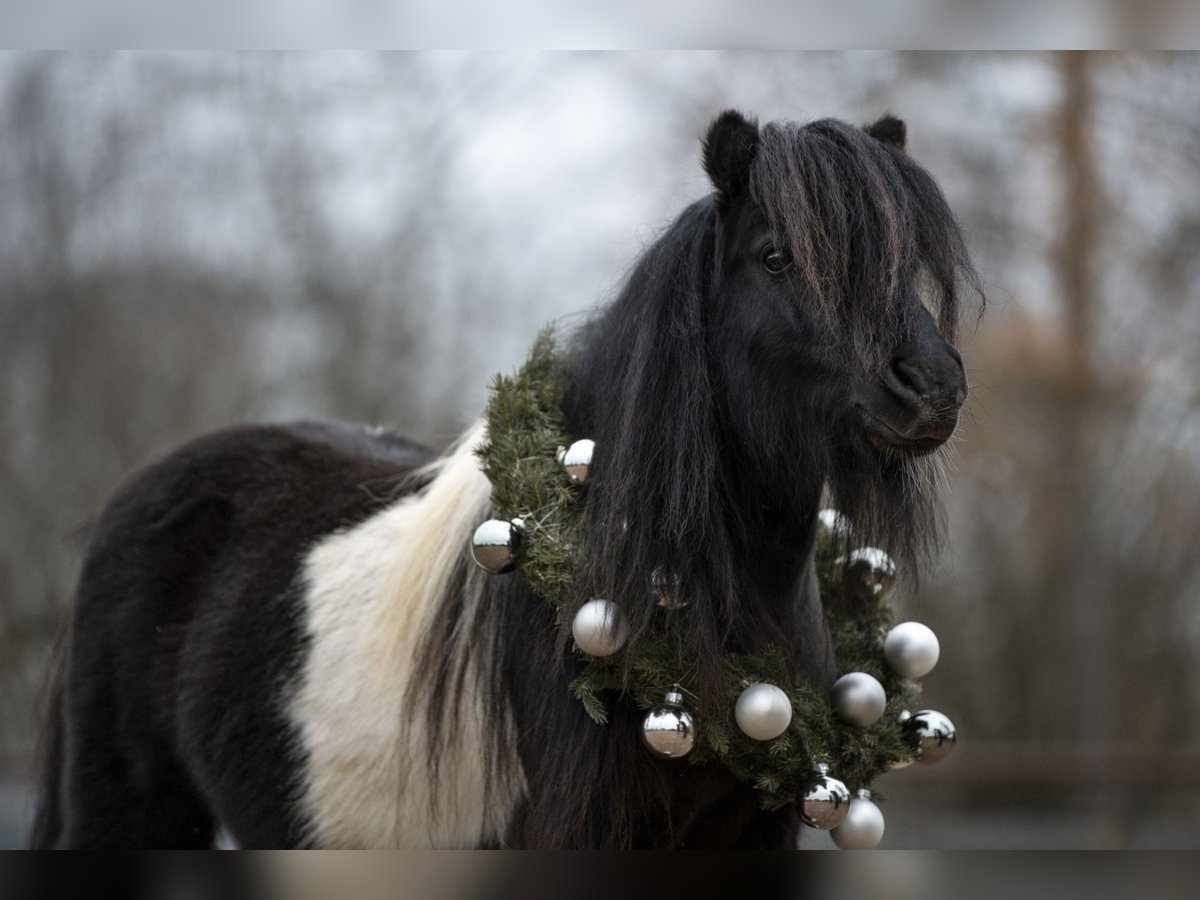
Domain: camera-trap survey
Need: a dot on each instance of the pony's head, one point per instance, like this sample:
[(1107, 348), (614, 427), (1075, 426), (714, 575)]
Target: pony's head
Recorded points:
[(791, 333), (835, 277), (835, 298)]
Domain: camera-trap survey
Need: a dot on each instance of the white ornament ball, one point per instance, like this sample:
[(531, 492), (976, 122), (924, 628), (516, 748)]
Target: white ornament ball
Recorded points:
[(858, 698), (863, 827), (763, 712), (826, 804), (599, 628), (668, 730), (494, 543), (912, 649), (577, 459), (933, 734)]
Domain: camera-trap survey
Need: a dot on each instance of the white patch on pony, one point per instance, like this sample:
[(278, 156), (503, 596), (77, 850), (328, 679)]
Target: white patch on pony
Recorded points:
[(372, 594)]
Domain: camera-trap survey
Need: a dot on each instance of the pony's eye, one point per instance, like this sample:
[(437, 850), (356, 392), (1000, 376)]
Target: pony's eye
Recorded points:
[(774, 260)]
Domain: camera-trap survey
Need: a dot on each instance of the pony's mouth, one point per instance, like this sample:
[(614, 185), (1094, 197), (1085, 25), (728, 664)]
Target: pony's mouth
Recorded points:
[(886, 438)]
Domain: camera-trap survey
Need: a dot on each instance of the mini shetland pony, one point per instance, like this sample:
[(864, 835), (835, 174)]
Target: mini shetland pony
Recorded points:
[(279, 630)]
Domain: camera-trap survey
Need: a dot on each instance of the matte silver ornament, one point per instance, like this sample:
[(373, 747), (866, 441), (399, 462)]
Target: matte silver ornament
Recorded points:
[(494, 544), (933, 735), (763, 712), (834, 524), (668, 729), (912, 649), (826, 803), (577, 459), (599, 628), (863, 827), (869, 573), (858, 698)]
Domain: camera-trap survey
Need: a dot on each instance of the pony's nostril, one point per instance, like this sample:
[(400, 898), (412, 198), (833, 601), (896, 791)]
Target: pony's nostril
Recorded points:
[(928, 384), (909, 377)]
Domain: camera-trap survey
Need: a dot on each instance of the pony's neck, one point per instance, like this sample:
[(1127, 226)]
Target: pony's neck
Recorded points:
[(778, 540), (771, 523), (776, 528)]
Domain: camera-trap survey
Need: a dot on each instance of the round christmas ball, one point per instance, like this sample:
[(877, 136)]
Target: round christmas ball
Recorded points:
[(599, 628), (763, 712), (494, 544), (911, 649), (858, 698), (869, 574), (577, 459), (826, 803), (933, 735), (667, 729), (863, 826)]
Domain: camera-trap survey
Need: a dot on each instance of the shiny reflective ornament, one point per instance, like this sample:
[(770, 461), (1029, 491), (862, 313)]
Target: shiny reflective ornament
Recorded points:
[(912, 649), (858, 698), (665, 588), (933, 735), (863, 827), (668, 729), (827, 802), (494, 544), (835, 524), (869, 573), (763, 712), (600, 628), (577, 459)]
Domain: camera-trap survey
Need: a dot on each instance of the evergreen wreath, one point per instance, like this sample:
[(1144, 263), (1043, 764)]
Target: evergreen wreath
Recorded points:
[(520, 456)]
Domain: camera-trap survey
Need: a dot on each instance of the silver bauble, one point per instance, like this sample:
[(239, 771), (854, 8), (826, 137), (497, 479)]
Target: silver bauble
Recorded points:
[(869, 573), (858, 698), (763, 712), (668, 729), (834, 524), (911, 649), (600, 628), (863, 827), (933, 735), (826, 803), (577, 459), (494, 543)]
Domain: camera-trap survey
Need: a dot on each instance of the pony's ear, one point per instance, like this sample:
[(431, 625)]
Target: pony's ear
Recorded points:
[(729, 149), (890, 130)]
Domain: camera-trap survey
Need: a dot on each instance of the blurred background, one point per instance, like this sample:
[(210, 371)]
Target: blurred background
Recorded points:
[(192, 240)]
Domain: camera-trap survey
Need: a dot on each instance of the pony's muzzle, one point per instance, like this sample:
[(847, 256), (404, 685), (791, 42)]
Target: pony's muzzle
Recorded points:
[(913, 405)]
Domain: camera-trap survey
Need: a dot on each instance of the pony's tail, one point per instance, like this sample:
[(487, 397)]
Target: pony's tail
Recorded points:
[(48, 818)]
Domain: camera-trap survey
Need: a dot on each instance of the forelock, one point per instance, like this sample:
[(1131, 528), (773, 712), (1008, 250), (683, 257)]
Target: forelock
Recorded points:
[(866, 226)]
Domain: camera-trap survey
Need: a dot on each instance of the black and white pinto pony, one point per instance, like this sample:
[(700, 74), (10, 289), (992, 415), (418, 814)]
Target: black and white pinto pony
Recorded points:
[(279, 630)]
